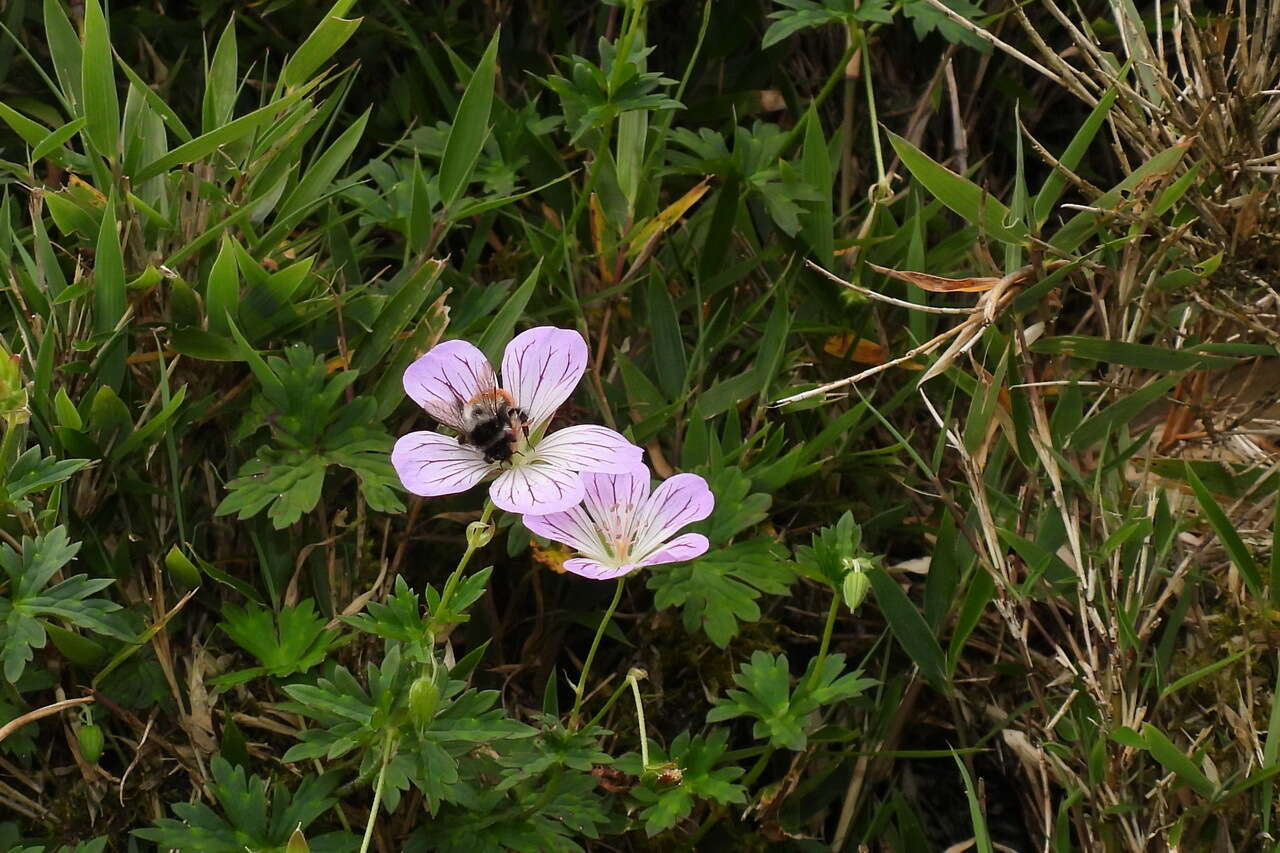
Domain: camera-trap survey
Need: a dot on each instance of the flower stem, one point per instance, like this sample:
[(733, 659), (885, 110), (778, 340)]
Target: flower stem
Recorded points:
[(644, 735), (579, 689), (377, 791), (871, 109), (617, 694), (825, 645), (451, 585)]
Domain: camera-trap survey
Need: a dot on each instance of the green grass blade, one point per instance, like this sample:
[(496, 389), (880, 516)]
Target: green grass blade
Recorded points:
[(108, 274), (222, 291), (98, 83), (166, 113), (500, 328), (1131, 355), (1270, 754), (1174, 760), (972, 203), (818, 223), (32, 132), (1226, 532), (399, 311), (669, 359), (909, 628), (324, 41), (981, 835), (1202, 672), (1094, 429), (470, 127), (1056, 183), (220, 83), (312, 186), (55, 139), (1081, 226), (207, 143), (66, 52)]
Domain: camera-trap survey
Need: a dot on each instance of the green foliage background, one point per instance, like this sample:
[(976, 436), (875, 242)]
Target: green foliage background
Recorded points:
[(1018, 586)]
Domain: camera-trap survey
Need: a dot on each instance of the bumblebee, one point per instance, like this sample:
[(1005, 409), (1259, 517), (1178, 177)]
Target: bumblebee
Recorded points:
[(493, 424)]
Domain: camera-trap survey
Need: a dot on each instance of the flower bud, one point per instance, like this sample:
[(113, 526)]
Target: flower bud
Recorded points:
[(297, 842), (855, 584), (91, 740), (424, 700), (479, 534)]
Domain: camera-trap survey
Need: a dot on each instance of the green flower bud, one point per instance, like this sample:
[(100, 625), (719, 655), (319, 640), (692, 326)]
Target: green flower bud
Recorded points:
[(855, 585), (479, 534), (91, 740), (424, 700)]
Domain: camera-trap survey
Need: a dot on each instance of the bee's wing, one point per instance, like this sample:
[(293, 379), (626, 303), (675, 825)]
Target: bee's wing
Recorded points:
[(443, 380)]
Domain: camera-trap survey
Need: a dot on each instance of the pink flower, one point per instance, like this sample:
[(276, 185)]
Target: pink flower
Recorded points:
[(621, 527), (500, 428)]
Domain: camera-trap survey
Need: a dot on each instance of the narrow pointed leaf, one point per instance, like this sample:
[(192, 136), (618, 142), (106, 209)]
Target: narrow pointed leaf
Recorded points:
[(98, 83), (909, 628), (973, 204), (324, 41), (108, 274), (1227, 535), (470, 127)]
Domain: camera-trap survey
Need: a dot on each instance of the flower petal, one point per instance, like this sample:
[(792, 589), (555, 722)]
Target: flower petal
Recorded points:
[(597, 571), (536, 487), (431, 464), (681, 500), (678, 550), (587, 447), (573, 527), (612, 501), (541, 367), (443, 380)]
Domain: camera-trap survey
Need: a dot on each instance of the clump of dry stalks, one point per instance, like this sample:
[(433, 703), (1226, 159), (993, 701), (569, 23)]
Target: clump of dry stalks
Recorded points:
[(1215, 83), (1211, 83)]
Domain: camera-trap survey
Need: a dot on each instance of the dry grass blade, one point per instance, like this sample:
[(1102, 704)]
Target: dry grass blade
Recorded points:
[(939, 284), (39, 713), (889, 300)]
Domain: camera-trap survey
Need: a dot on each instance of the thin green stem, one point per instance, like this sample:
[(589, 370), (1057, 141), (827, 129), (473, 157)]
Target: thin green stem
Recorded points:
[(631, 21), (827, 629), (617, 694), (377, 791), (871, 108), (756, 769), (828, 87), (579, 690), (451, 585), (668, 116), (644, 732)]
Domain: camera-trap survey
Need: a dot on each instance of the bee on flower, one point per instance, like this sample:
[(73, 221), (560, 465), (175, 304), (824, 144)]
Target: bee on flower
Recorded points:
[(501, 427)]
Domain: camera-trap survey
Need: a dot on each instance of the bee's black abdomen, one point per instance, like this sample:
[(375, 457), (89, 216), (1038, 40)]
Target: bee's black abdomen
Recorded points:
[(499, 451), (486, 433)]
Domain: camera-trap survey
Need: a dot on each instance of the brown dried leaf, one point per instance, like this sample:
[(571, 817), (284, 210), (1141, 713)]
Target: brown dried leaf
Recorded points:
[(938, 284), (199, 722), (862, 351)]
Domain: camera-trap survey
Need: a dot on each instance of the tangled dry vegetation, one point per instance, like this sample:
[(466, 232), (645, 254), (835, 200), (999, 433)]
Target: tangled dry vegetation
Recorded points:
[(1155, 593)]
